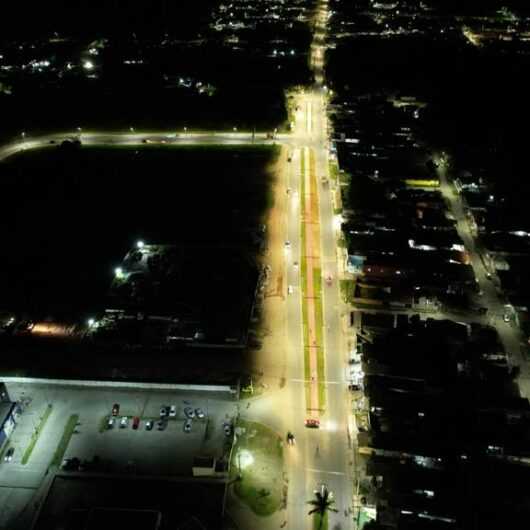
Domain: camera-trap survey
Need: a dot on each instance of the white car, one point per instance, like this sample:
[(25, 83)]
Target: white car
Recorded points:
[(199, 413), (124, 422), (172, 411), (290, 289), (187, 425)]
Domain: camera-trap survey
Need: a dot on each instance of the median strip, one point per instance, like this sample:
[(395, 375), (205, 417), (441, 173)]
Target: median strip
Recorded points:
[(35, 435), (65, 440)]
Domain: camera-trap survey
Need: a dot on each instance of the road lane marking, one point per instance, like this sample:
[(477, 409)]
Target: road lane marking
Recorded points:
[(340, 473), (325, 382)]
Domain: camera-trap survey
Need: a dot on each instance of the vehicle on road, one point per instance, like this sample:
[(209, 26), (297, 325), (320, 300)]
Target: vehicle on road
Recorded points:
[(149, 425), (124, 422), (164, 411), (187, 425), (227, 428), (354, 387), (295, 264), (9, 454), (287, 245), (110, 423), (506, 317), (189, 413), (136, 422), (172, 411), (290, 438), (288, 191), (161, 424), (312, 423), (199, 413), (290, 289), (115, 409), (329, 279)]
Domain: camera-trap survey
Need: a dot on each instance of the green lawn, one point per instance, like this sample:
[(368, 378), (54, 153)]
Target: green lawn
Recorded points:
[(347, 290), (65, 440), (316, 522), (35, 435), (257, 458)]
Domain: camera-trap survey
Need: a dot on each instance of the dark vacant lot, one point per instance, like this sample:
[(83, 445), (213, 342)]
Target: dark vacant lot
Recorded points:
[(69, 217)]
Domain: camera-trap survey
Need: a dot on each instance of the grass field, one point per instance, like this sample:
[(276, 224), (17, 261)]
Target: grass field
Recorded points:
[(94, 203), (257, 468)]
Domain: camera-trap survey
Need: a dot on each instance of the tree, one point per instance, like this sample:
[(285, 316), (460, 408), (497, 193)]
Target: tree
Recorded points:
[(322, 503)]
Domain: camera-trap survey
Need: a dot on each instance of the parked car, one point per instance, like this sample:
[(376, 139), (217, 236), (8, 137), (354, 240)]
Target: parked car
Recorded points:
[(172, 411), (124, 422), (161, 424), (227, 428), (115, 409), (149, 425), (189, 412), (312, 423), (199, 413), (164, 411), (9, 454), (136, 422), (290, 289), (110, 423), (187, 425)]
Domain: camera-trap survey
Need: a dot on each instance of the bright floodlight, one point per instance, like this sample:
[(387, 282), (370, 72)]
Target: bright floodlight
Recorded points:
[(140, 244), (245, 459), (118, 271), (88, 65), (91, 322)]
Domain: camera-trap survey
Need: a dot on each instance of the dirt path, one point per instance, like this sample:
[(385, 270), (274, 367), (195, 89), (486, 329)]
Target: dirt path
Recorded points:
[(270, 360)]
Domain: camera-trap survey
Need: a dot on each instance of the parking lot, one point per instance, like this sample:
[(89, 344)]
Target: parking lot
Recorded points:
[(118, 449)]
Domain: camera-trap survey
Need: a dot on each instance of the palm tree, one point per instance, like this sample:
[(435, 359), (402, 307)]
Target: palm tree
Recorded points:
[(322, 503)]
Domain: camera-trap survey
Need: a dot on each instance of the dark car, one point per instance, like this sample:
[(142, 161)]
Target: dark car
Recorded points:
[(149, 425), (115, 409), (161, 424), (136, 422), (9, 454)]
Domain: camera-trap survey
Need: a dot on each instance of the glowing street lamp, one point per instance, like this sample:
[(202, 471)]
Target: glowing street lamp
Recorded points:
[(88, 65), (91, 322), (140, 244)]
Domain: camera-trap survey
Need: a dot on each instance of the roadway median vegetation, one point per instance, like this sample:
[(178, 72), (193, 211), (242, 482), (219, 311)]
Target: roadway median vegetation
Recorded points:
[(65, 440), (35, 435), (256, 468), (317, 294)]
